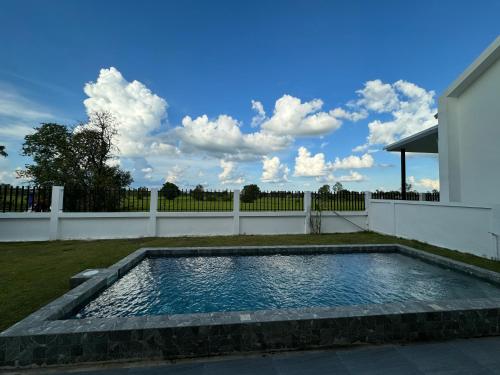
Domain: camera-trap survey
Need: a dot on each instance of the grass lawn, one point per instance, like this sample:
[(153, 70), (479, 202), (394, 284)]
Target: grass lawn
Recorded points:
[(34, 273)]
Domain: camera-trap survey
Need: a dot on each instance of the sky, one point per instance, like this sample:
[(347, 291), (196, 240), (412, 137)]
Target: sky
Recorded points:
[(285, 94)]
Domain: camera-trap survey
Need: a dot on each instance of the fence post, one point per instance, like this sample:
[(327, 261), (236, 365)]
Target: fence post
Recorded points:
[(56, 207), (307, 210), (368, 198), (153, 210), (236, 212), (421, 197)]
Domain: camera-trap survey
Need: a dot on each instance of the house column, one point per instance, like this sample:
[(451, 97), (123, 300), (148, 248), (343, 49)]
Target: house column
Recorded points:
[(403, 174)]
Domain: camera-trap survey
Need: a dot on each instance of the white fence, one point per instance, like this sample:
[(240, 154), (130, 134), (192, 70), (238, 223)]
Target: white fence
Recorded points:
[(467, 228), (59, 225)]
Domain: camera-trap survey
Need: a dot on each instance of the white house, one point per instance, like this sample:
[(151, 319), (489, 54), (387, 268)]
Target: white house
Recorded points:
[(467, 136), (467, 139)]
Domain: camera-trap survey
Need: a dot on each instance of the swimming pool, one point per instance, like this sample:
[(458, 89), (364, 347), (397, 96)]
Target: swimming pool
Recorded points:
[(171, 303), (185, 285)]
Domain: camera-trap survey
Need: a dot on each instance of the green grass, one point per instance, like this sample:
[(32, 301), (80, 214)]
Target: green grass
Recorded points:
[(34, 273)]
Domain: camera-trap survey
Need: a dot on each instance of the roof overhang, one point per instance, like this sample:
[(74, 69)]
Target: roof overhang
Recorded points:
[(425, 141)]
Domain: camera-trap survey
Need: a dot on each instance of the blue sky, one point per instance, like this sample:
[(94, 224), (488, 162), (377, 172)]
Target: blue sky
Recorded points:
[(326, 84)]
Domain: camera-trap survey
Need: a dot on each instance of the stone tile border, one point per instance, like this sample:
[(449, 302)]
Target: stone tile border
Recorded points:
[(47, 338)]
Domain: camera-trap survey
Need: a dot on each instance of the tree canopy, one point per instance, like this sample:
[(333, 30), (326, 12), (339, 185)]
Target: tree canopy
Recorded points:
[(325, 189), (2, 151), (170, 190), (250, 193), (81, 157)]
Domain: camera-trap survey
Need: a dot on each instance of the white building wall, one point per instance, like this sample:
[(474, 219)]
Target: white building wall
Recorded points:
[(467, 228), (469, 133)]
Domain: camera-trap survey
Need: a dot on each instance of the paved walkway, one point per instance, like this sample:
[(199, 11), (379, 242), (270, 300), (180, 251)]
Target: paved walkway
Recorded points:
[(475, 356)]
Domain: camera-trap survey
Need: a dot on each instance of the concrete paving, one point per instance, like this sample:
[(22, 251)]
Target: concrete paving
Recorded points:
[(473, 356)]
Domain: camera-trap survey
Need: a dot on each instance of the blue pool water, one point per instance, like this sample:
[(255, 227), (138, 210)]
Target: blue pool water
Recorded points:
[(236, 283)]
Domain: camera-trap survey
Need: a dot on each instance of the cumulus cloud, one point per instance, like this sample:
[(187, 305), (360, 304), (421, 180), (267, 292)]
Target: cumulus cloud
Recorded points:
[(230, 174), (224, 137), (260, 113), (292, 117), (425, 183), (352, 161), (139, 112), (174, 175), (378, 97), (308, 165), (412, 110), (273, 170), (353, 176)]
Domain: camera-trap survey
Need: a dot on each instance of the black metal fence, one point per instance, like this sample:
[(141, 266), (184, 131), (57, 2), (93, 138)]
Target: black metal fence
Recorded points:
[(341, 201), (431, 197), (410, 196), (196, 200), (106, 200), (25, 198), (38, 199), (274, 201)]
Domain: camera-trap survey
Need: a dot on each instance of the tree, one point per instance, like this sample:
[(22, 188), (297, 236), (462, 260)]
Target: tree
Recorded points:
[(2, 151), (198, 192), (170, 190), (250, 193), (337, 187), (79, 159), (325, 189)]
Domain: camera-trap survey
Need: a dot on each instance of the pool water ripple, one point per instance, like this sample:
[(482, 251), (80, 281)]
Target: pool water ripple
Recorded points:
[(183, 285)]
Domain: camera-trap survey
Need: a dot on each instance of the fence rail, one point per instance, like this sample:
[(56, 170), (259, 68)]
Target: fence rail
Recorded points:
[(341, 201), (25, 198), (274, 201), (196, 201)]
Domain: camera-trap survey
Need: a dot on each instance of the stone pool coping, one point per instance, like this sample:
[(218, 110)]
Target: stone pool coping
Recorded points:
[(46, 337)]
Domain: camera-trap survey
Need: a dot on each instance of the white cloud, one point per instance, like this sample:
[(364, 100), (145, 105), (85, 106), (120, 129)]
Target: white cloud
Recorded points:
[(138, 111), (412, 109), (223, 136), (229, 174), (378, 97), (292, 117), (316, 165), (352, 161), (351, 116), (353, 176), (426, 183), (307, 165), (260, 113), (273, 170), (174, 175)]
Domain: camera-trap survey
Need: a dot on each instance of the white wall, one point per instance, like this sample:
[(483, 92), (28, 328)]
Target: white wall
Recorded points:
[(36, 227), (59, 225), (455, 226)]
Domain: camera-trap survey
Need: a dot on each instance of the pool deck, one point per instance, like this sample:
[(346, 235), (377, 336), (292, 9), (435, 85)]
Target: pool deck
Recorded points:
[(472, 356)]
